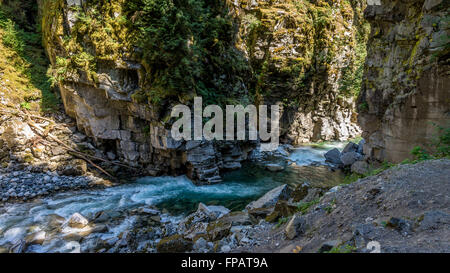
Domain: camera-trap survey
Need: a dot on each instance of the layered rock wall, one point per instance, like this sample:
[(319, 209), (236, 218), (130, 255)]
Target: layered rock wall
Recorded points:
[(406, 86)]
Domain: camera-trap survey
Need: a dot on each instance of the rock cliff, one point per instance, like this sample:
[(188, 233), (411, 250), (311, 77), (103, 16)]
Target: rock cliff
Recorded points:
[(121, 65), (308, 56), (406, 81)]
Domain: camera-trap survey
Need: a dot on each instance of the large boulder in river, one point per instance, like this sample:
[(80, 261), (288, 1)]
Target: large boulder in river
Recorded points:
[(333, 156), (350, 147), (282, 192)]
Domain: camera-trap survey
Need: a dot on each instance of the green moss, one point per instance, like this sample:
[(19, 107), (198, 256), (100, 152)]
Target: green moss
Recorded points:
[(342, 249), (304, 207)]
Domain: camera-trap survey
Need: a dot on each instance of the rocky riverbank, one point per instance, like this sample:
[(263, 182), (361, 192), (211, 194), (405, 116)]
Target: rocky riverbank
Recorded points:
[(24, 186), (404, 209)]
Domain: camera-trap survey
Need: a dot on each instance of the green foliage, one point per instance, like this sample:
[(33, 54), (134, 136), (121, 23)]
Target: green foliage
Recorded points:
[(146, 130), (281, 221), (303, 207), (25, 40), (353, 177), (439, 148), (330, 208), (342, 249), (188, 48), (363, 107), (352, 75), (25, 105), (442, 141), (420, 153)]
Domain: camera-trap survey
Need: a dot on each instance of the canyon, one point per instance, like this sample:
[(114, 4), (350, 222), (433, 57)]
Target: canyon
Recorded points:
[(272, 41), (85, 125)]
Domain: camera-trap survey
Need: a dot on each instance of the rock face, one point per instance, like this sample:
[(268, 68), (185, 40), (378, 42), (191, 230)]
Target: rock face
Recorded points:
[(304, 55), (407, 84), (284, 52), (104, 96)]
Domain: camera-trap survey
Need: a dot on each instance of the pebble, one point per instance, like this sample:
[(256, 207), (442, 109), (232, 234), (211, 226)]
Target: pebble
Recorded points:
[(25, 185)]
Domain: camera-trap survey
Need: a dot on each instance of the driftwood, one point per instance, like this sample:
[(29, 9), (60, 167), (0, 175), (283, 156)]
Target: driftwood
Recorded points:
[(73, 151), (45, 133)]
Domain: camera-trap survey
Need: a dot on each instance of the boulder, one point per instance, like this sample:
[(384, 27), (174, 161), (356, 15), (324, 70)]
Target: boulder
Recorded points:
[(218, 230), (55, 221), (260, 213), (201, 245), (401, 225), (282, 209), (333, 156), (196, 230), (350, 158), (313, 194), (274, 167), (77, 221), (300, 192), (360, 167), (73, 237), (174, 244), (204, 214), (350, 147), (361, 146), (101, 217), (282, 192), (217, 211), (295, 227), (435, 219), (238, 218)]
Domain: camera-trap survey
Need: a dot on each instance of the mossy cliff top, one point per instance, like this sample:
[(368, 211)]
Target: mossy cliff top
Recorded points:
[(181, 48), (297, 46), (223, 52)]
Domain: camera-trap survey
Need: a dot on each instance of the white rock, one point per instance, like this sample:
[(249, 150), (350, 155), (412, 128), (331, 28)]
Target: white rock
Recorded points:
[(78, 221)]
